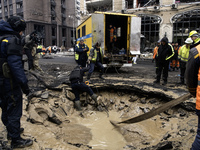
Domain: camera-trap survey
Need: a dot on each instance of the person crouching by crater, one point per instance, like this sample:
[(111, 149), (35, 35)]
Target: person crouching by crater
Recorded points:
[(78, 86)]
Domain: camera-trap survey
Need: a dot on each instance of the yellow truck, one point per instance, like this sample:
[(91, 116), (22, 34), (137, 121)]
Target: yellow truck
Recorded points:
[(97, 28)]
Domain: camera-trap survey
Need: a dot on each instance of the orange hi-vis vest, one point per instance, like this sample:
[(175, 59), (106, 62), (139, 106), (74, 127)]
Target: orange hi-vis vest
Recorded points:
[(198, 86), (155, 52)]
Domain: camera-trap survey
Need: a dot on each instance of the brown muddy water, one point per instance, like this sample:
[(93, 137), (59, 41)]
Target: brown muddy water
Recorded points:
[(91, 129)]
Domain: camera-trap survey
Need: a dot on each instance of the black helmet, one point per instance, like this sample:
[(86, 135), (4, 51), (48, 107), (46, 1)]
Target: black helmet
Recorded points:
[(17, 23)]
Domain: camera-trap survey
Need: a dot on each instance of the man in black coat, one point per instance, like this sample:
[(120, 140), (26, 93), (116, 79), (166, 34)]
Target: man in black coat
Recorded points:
[(165, 52)]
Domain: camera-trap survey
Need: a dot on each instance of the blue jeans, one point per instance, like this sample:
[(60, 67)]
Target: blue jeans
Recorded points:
[(78, 88), (99, 65), (196, 144)]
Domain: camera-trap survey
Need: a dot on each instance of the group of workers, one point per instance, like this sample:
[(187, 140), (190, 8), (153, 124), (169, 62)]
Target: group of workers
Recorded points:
[(86, 63), (164, 53), (171, 56)]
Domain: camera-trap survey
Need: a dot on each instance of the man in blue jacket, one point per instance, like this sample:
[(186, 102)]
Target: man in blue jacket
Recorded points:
[(81, 50), (12, 79)]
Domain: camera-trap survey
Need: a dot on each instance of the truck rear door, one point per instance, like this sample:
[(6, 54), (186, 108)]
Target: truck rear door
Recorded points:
[(135, 31), (98, 25)]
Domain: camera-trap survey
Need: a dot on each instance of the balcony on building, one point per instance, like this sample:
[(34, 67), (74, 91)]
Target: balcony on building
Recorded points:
[(63, 6), (53, 3), (53, 21), (63, 16), (53, 13)]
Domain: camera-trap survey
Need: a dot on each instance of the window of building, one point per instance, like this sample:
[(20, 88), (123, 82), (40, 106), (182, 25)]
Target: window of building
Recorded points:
[(129, 4), (53, 42), (19, 5), (63, 32), (150, 30), (53, 31), (79, 35), (5, 9), (62, 1), (5, 1), (0, 10), (10, 7), (40, 29), (83, 30), (53, 18), (185, 22)]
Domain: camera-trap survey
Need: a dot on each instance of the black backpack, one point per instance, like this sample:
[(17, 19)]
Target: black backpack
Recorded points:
[(191, 72), (75, 74)]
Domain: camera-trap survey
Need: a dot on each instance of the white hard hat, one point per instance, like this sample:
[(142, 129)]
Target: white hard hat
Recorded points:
[(189, 41)]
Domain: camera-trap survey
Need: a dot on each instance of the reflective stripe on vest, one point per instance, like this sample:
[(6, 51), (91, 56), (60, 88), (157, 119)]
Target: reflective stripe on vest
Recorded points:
[(76, 54)]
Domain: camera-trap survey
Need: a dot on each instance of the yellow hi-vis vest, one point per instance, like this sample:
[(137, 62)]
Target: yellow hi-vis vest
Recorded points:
[(39, 47), (77, 54), (94, 58), (184, 53)]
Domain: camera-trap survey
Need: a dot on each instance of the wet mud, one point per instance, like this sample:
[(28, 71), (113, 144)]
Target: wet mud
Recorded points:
[(52, 122)]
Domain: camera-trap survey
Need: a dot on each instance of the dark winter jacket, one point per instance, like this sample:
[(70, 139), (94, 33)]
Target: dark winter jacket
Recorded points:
[(82, 71), (14, 60), (165, 52), (80, 54)]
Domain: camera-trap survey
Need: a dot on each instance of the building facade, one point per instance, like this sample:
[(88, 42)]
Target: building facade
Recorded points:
[(55, 20), (171, 18)]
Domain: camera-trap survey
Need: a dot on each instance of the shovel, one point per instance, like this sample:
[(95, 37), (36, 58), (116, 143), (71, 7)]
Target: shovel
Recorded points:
[(154, 112)]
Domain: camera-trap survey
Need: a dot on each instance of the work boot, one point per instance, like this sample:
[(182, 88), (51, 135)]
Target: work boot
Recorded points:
[(88, 76), (77, 105), (156, 82), (164, 83), (21, 143), (21, 131), (94, 97), (100, 76)]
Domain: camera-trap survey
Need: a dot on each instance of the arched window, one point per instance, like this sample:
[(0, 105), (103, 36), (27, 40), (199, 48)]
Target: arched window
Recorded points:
[(185, 22), (150, 30)]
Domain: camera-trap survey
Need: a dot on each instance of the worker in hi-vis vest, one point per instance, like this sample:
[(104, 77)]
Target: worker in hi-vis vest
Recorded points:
[(81, 50)]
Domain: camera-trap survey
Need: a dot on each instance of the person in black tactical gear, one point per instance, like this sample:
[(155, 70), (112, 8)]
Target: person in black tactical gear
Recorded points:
[(165, 52), (78, 86), (13, 80)]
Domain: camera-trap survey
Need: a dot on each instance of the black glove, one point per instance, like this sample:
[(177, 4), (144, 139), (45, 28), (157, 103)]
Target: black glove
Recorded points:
[(26, 89), (152, 60)]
